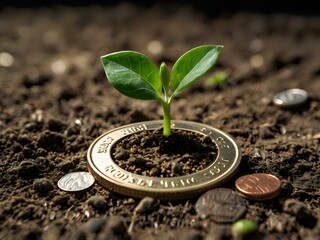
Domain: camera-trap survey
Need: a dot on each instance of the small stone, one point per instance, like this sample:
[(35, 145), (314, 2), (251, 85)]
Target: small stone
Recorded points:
[(257, 61), (42, 185), (122, 154), (52, 141), (61, 200), (56, 125), (59, 67), (176, 168), (28, 169), (66, 165), (94, 225), (302, 213), (6, 59), (116, 225), (155, 47), (147, 204), (98, 202), (31, 126)]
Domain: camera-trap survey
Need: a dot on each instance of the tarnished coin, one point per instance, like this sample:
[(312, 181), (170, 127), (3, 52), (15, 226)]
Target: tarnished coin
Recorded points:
[(76, 181), (258, 186), (291, 98), (222, 204), (110, 175)]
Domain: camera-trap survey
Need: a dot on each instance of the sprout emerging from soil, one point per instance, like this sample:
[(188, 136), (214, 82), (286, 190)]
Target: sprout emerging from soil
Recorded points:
[(136, 76)]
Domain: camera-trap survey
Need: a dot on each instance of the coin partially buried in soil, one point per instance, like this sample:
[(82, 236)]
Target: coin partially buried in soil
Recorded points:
[(258, 186), (222, 204), (110, 175), (291, 98)]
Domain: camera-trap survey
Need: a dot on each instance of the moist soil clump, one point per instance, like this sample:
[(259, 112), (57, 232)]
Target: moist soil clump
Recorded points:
[(55, 101), (149, 153)]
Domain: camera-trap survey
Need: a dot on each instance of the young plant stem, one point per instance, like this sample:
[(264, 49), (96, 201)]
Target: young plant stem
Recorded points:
[(166, 119), (166, 101)]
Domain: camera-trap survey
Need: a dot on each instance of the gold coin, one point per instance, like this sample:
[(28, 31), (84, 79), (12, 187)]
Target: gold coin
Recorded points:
[(108, 174)]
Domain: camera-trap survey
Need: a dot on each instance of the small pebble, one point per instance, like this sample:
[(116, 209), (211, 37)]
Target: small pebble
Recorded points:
[(94, 225), (6, 59), (116, 225), (61, 200), (98, 202), (65, 165), (155, 47), (147, 204), (56, 125), (52, 141), (300, 210), (58, 67), (42, 185), (28, 169), (257, 61), (122, 154)]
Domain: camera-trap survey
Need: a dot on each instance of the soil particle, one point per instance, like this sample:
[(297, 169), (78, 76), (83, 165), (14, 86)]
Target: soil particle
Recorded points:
[(42, 185), (98, 202)]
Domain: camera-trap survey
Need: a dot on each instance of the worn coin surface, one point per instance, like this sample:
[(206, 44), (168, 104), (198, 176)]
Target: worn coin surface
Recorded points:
[(110, 175), (222, 204), (258, 186), (291, 98), (76, 181)]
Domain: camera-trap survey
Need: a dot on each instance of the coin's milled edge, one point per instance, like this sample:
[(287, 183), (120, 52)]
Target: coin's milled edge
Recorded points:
[(110, 175)]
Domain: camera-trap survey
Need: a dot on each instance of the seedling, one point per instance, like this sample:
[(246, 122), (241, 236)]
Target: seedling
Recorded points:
[(136, 76)]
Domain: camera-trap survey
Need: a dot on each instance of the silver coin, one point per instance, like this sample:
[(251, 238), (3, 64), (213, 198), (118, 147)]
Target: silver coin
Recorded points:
[(76, 181), (291, 98)]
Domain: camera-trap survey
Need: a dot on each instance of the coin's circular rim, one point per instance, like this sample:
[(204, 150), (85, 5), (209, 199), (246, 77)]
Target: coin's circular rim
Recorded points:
[(108, 174), (278, 102), (259, 196), (74, 173)]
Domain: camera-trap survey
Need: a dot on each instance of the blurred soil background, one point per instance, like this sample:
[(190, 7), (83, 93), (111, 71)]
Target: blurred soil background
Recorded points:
[(55, 100)]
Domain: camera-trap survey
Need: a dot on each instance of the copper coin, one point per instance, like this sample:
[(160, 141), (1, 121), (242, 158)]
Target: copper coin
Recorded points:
[(258, 186), (222, 204)]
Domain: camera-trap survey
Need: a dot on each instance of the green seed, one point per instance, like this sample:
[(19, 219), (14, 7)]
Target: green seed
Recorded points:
[(244, 227)]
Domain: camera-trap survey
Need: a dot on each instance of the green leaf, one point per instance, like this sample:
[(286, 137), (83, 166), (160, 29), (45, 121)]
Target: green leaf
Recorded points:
[(133, 74), (192, 65)]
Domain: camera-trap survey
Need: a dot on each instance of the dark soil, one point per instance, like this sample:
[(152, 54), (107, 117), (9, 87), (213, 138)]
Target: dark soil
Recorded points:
[(149, 153), (55, 100)]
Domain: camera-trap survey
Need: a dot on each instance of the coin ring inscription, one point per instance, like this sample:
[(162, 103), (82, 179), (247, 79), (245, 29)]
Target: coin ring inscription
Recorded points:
[(258, 186), (76, 181), (110, 175)]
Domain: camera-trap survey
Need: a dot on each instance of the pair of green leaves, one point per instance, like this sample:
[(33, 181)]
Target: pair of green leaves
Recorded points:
[(136, 76)]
